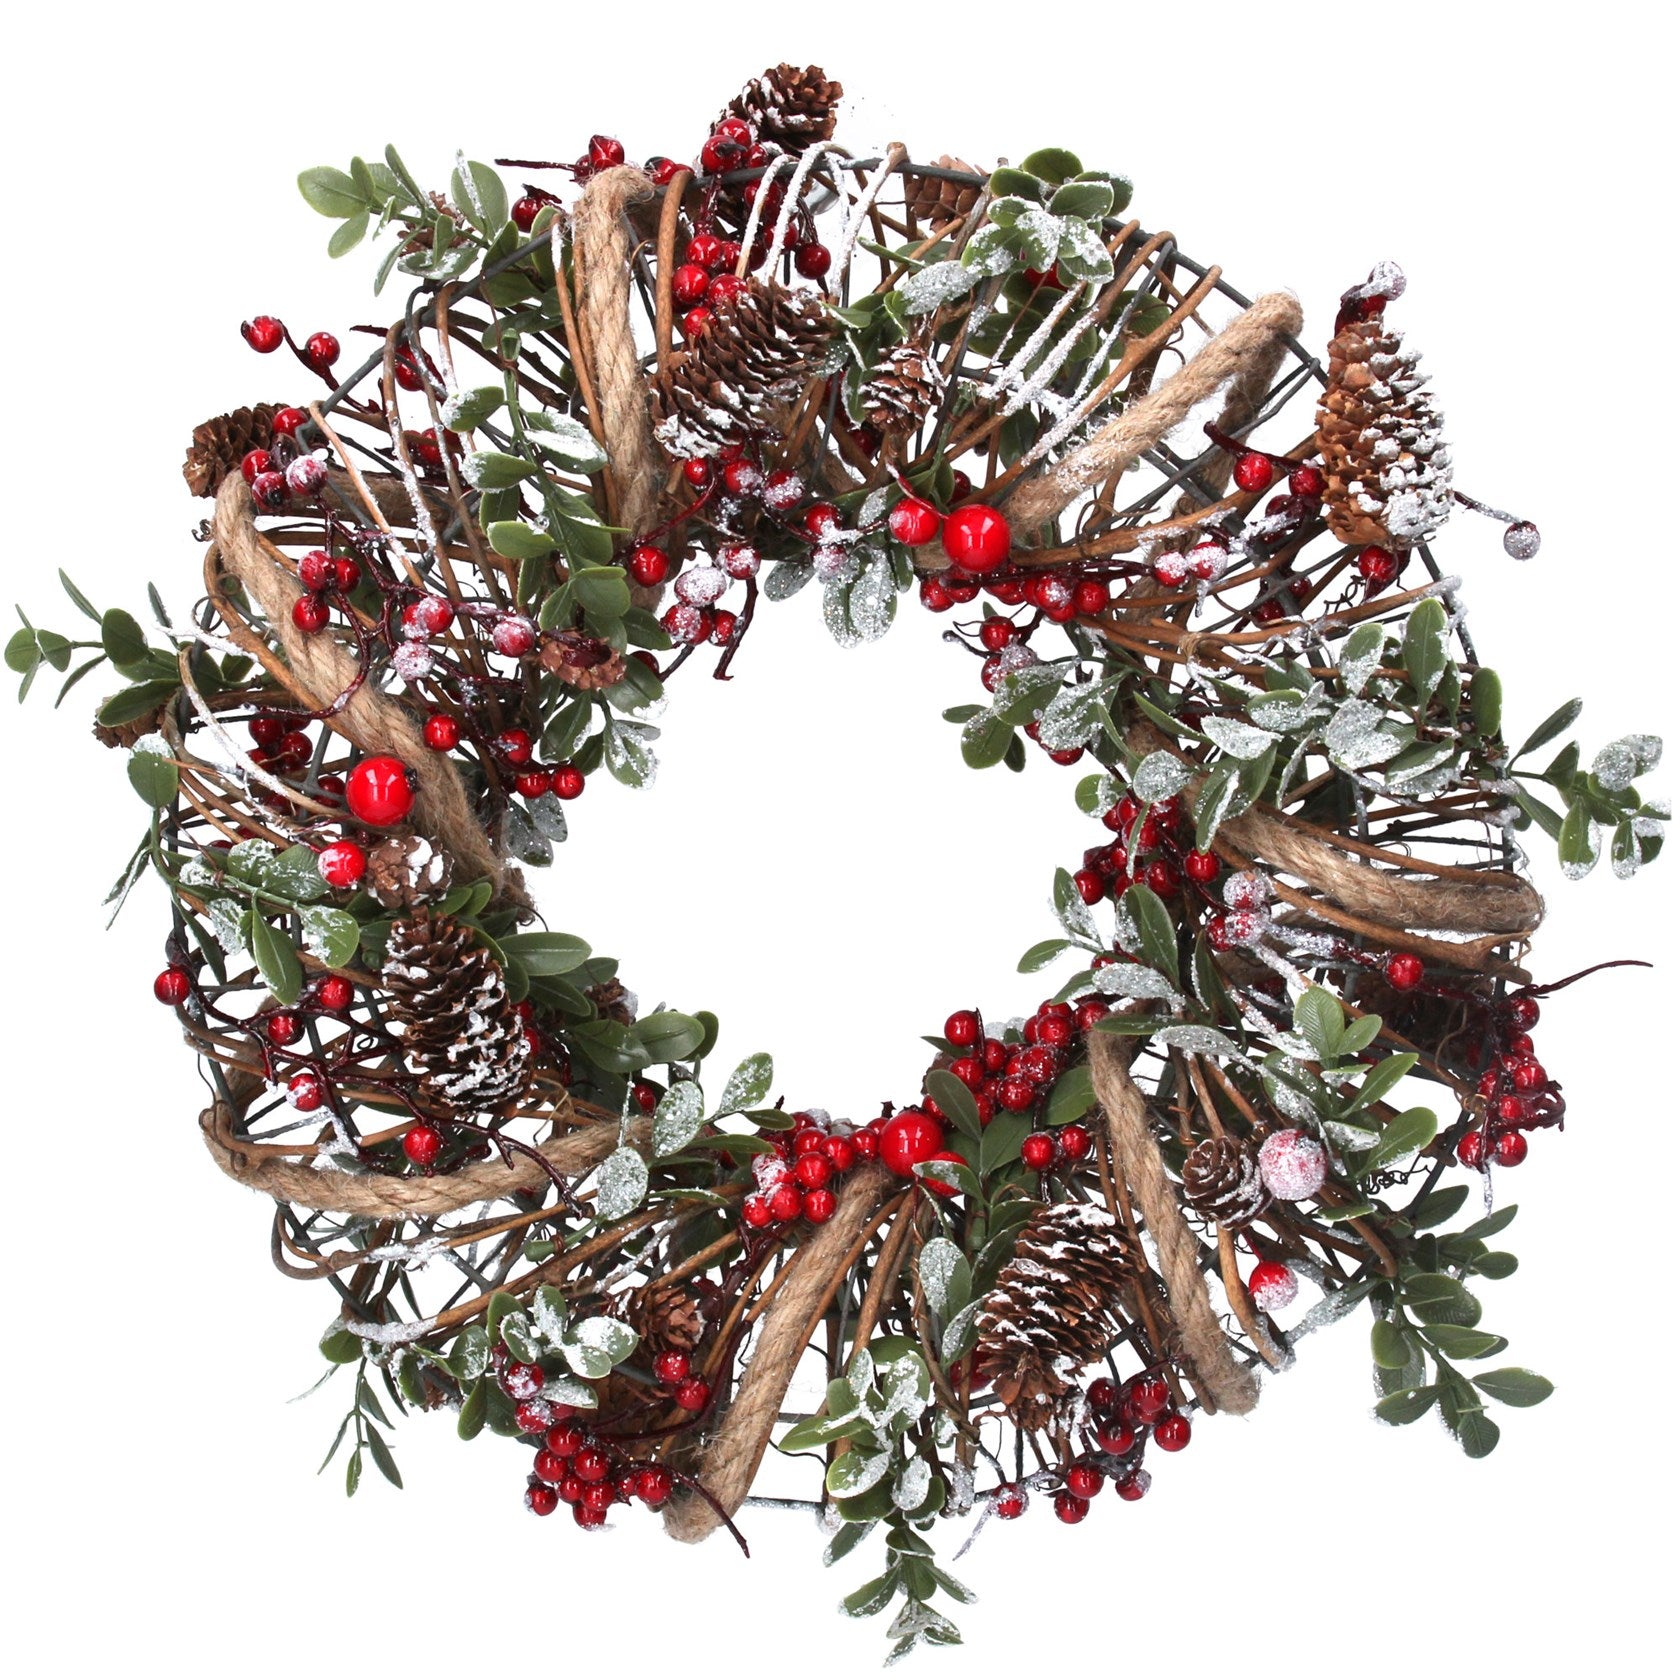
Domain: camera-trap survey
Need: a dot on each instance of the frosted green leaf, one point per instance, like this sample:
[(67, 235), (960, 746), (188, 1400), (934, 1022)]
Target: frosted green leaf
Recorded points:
[(945, 1276), (1616, 766), (748, 1085), (569, 441), (331, 936), (1360, 735), (593, 1346), (1240, 740), (1159, 777), (677, 1118), (856, 1472), (1200, 1041), (623, 1184), (936, 285)]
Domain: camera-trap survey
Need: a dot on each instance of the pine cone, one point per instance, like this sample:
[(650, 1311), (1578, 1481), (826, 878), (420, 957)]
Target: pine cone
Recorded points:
[(1056, 1308), (219, 445), (666, 1316), (934, 201), (1379, 433), (126, 734), (449, 1002), (760, 348), (903, 387), (613, 1000), (1222, 1183), (788, 107), (406, 870)]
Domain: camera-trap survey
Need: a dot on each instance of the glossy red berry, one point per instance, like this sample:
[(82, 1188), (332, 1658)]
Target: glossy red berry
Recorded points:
[(1377, 566), (1070, 1508), (525, 211), (977, 538), (422, 1144), (263, 333), (514, 636), (1134, 1486), (305, 1091), (335, 994), (1009, 1503), (654, 1484), (1172, 1434), (755, 1212), (533, 783), (688, 285), (442, 732), (812, 260), (648, 565), (173, 987), (591, 1465), (935, 596), (1038, 1151), (1085, 1481), (724, 288), (284, 1028), (1149, 1397), (1404, 971), (692, 1394), (568, 781), (342, 864), (913, 522), (841, 1153), (1089, 885), (1117, 1438), (320, 351), (1089, 1013), (1090, 598), (671, 1366), (316, 571), (256, 461), (1522, 1012), (605, 152), (379, 792), (1201, 867), (812, 1171), (1472, 1149), (1017, 1094), (908, 1139), (1528, 1075), (1272, 1285), (787, 1202), (1510, 1149), (1075, 1142), (541, 1500), (1253, 472), (818, 1205), (963, 1028), (549, 1468), (514, 745), (310, 614), (1306, 481)]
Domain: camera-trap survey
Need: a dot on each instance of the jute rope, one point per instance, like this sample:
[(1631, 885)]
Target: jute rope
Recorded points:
[(634, 461), (322, 670), (1204, 1344), (732, 1458), (375, 1196), (1258, 332)]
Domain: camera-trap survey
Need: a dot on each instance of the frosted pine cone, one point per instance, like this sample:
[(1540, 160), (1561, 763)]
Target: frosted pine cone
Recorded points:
[(449, 1002), (1222, 1183), (1388, 468), (221, 443), (1055, 1309), (759, 349), (666, 1316), (903, 388), (788, 107)]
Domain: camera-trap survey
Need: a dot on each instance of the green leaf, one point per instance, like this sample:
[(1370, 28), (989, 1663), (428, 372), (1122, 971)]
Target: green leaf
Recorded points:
[(466, 411), (1087, 200), (1477, 1434), (1576, 851), (1014, 183), (1548, 819), (593, 1346), (1318, 1019), (1491, 1226), (353, 1473), (339, 1344), (1071, 1097), (1495, 1265), (332, 936), (479, 195), (669, 1036), (123, 639), (985, 740), (1388, 1346), (956, 1101), (623, 1184), (155, 778), (602, 591), (1486, 701), (1158, 938), (748, 1085), (23, 652), (1457, 1342), (491, 469), (947, 1281), (1408, 1405), (277, 958), (473, 1408), (1000, 1147), (383, 1459), (1436, 1299), (1406, 1134), (133, 703), (1214, 800), (1052, 164), (873, 1596), (1041, 955), (1385, 1076), (1425, 646), (1514, 1386), (330, 192), (513, 539), (345, 238), (1553, 727), (1439, 1206), (546, 953), (856, 1472), (82, 603)]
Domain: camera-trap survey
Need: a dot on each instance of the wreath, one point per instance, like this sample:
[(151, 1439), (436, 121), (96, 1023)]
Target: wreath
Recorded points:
[(1292, 1027)]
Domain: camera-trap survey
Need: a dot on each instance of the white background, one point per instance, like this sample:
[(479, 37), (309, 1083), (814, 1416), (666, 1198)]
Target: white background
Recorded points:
[(814, 863)]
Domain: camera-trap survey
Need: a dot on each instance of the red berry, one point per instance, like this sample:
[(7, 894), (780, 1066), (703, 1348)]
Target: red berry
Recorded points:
[(1134, 1486), (1201, 867), (1149, 1397), (442, 732), (342, 864), (1377, 566), (977, 538), (533, 1416), (908, 1139), (305, 1092), (1404, 971), (1009, 1503), (310, 614), (723, 288), (654, 1484), (935, 596), (284, 1028), (1510, 1149), (1102, 1395), (786, 1202), (842, 1156), (605, 152), (1084, 1481), (1272, 1285), (588, 1516), (1162, 877), (1089, 885), (1090, 597), (1017, 1094), (813, 260), (1075, 1142), (541, 1499), (671, 1367), (648, 565), (1038, 1151), (755, 1212), (346, 575), (689, 283), (533, 783), (431, 615), (1528, 1075), (591, 1465), (693, 1393), (379, 792), (173, 986), (321, 351), (994, 1053), (263, 333), (568, 781), (997, 633), (1472, 1149), (1116, 1438), (422, 1144), (696, 320), (514, 745), (818, 1206), (513, 636), (1172, 1434), (525, 212), (1253, 472), (914, 523), (963, 1028), (813, 1170), (316, 570), (255, 461), (1306, 481), (1070, 1508), (335, 994), (1089, 1013), (1522, 1013), (549, 1468)]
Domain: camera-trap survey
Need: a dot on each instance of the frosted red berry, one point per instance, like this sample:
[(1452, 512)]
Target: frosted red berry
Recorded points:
[(1404, 970), (1253, 472), (342, 864), (1009, 1503), (263, 333)]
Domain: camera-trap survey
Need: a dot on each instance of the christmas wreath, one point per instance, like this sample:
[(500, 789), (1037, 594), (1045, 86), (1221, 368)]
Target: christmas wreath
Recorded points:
[(1193, 564)]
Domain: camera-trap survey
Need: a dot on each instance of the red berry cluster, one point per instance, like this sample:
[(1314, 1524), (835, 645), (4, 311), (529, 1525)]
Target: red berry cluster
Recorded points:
[(1516, 1091), (1151, 848), (578, 1469), (1016, 1077), (797, 1180)]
